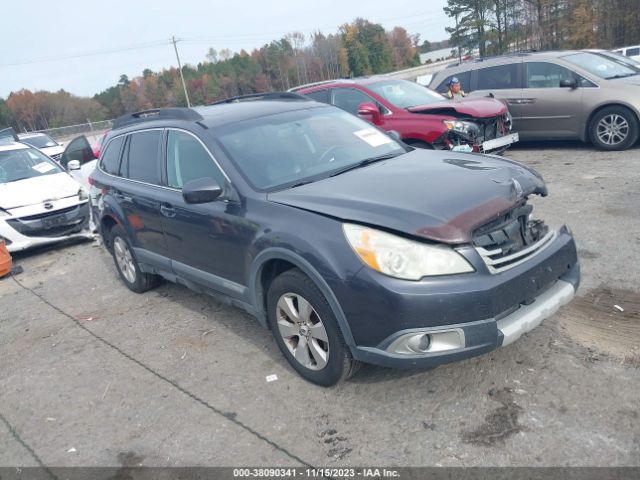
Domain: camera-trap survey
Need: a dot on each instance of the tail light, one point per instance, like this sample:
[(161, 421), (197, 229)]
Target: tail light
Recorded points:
[(90, 180)]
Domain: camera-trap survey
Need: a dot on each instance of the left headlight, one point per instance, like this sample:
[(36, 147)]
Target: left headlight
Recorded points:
[(82, 194), (469, 129), (402, 258)]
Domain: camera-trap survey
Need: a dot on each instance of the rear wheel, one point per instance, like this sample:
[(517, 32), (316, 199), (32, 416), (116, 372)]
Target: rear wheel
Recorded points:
[(306, 330), (127, 265), (614, 128)]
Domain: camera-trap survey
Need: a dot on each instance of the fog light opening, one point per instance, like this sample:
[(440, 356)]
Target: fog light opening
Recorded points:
[(420, 343)]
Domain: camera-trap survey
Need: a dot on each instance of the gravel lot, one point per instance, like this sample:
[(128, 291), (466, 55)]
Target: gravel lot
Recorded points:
[(92, 374)]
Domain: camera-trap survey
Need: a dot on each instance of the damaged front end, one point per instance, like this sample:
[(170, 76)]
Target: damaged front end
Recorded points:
[(483, 135)]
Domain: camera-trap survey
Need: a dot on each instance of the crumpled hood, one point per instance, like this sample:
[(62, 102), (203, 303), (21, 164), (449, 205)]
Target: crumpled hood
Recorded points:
[(484, 107), (36, 190), (438, 195)]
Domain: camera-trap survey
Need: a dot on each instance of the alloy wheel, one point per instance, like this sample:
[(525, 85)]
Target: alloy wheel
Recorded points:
[(302, 330), (612, 129), (124, 259)]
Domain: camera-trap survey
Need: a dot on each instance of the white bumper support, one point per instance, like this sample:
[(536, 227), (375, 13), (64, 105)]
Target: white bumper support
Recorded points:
[(528, 317)]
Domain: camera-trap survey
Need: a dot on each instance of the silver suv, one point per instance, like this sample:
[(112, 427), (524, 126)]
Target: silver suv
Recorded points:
[(558, 95)]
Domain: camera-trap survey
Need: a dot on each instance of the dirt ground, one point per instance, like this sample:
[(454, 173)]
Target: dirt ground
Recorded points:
[(92, 374)]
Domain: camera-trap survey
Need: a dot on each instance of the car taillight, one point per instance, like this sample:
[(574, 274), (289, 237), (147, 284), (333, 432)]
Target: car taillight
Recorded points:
[(90, 179)]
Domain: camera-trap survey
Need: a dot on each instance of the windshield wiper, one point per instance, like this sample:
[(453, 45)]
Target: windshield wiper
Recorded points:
[(364, 163), (623, 75)]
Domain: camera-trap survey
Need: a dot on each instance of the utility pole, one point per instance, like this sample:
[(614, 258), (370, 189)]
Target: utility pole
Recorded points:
[(184, 85)]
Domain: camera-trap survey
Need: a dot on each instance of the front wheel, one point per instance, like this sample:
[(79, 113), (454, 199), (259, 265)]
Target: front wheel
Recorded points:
[(306, 330), (127, 265), (614, 128)]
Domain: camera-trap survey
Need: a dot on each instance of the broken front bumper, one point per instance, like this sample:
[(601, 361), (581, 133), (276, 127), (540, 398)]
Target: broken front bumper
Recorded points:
[(27, 231)]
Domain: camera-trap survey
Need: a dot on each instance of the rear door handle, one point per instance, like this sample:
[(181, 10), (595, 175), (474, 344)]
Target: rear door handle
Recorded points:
[(167, 210)]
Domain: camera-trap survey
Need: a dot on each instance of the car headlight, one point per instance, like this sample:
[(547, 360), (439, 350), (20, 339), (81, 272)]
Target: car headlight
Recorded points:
[(82, 194), (402, 258), (469, 129)]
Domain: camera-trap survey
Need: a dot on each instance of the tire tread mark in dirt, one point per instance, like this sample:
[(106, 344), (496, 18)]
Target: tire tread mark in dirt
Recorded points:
[(14, 433), (175, 385)]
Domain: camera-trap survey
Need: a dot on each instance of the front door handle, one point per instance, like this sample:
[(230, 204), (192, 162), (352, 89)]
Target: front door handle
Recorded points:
[(167, 210)]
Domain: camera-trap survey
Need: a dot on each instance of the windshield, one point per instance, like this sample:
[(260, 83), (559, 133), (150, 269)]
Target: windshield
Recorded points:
[(289, 148), (600, 66), (405, 94), (626, 61), (25, 163), (41, 141)]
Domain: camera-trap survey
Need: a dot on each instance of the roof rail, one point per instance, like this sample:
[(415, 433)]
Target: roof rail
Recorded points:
[(315, 84), (156, 114), (261, 96)]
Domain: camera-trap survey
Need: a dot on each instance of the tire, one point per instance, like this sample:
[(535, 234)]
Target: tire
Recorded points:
[(127, 265), (613, 128), (303, 338), (419, 144)]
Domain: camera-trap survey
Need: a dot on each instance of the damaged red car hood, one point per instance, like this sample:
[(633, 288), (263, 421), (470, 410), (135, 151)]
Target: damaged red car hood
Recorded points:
[(475, 107), (441, 196)]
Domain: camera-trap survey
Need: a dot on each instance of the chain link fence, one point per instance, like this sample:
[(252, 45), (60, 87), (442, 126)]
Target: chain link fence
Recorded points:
[(92, 130)]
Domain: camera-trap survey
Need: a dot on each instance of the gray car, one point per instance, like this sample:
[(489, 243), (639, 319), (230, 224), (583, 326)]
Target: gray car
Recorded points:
[(558, 95)]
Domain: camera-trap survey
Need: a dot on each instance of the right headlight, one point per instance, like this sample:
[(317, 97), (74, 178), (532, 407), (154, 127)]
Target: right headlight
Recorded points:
[(402, 258)]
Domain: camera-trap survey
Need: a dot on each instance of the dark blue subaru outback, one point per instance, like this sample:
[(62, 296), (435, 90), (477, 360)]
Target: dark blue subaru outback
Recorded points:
[(349, 245)]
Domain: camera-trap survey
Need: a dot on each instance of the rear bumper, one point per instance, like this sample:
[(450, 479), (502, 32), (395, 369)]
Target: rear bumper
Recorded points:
[(477, 337)]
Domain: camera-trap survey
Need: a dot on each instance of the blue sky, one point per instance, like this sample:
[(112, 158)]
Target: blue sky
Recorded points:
[(84, 46)]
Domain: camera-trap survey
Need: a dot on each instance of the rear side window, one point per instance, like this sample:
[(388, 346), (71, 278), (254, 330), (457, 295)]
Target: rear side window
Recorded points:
[(498, 78), (188, 160), (319, 96), (111, 156), (141, 158), (633, 52), (465, 81)]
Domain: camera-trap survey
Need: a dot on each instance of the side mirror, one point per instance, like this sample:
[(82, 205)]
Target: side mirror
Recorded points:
[(201, 190), (73, 165), (370, 112), (569, 83)]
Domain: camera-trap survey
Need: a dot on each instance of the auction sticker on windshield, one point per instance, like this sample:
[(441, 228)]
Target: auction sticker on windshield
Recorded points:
[(43, 167), (373, 137)]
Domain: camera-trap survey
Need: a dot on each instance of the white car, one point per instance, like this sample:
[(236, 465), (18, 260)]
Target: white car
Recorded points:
[(43, 143), (40, 203), (631, 52)]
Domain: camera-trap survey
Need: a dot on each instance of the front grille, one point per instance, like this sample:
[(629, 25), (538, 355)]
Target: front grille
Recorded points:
[(48, 214), (491, 130), (74, 220), (56, 156), (511, 239)]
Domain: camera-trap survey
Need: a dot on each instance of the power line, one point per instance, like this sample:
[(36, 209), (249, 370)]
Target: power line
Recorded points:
[(88, 53)]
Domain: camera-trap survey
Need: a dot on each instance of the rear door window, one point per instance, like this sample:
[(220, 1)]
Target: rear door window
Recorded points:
[(633, 52), (501, 77), (465, 82), (110, 162), (141, 158)]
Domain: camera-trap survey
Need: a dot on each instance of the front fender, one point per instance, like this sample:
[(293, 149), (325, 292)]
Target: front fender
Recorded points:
[(278, 253)]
